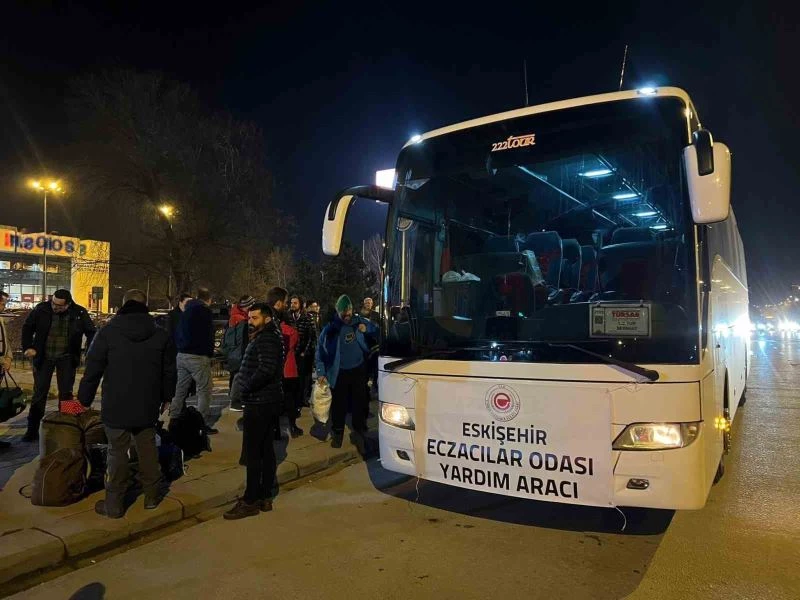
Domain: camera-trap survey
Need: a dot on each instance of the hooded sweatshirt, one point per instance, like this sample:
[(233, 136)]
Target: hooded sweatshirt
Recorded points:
[(136, 360)]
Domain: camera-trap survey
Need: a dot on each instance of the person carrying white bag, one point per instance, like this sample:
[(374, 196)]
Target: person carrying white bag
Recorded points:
[(342, 354)]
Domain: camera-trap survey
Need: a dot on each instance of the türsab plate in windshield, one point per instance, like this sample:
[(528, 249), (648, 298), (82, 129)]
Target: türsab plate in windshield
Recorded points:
[(621, 320)]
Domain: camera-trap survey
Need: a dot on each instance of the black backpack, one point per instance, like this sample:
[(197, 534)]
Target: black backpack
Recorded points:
[(188, 432)]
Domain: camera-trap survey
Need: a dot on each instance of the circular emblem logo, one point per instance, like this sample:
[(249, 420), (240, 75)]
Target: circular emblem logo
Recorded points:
[(503, 403)]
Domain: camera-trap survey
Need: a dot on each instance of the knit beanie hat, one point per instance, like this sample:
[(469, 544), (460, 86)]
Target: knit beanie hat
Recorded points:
[(343, 304), (246, 303)]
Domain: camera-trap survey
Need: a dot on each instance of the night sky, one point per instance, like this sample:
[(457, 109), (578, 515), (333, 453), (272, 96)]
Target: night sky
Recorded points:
[(338, 91)]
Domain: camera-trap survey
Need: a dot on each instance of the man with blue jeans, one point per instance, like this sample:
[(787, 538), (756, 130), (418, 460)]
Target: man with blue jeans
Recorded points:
[(341, 362), (195, 341)]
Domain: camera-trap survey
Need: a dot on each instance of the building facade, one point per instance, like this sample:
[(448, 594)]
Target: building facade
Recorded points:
[(81, 266)]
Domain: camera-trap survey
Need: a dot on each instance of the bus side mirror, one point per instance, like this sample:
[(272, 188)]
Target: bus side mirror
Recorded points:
[(336, 214), (708, 175), (333, 225)]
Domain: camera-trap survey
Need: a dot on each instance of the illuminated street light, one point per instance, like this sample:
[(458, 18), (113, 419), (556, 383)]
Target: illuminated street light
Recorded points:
[(169, 211), (51, 186)]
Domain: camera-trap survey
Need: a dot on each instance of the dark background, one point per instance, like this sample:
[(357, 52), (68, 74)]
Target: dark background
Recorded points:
[(339, 88)]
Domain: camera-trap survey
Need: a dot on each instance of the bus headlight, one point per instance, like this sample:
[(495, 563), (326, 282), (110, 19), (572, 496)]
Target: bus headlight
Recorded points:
[(657, 436), (394, 414)]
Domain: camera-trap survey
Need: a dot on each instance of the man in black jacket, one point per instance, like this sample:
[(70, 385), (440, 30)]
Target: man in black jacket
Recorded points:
[(195, 341), (136, 360), (174, 317), (52, 337), (258, 385)]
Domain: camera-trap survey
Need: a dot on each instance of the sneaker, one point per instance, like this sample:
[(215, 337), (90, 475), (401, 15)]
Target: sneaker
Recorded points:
[(265, 505), (242, 510), (211, 430), (237, 406), (295, 431), (101, 509), (31, 436), (336, 440)]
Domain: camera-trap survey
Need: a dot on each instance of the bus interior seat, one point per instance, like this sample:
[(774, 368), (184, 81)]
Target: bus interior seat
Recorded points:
[(587, 283), (546, 246), (629, 265), (571, 264)]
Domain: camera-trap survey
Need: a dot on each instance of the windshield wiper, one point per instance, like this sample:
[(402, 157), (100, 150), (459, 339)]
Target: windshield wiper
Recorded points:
[(628, 366), (396, 364)]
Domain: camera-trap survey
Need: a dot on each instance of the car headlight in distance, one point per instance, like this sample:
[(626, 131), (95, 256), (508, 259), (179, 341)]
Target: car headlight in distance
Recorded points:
[(396, 415), (657, 436)]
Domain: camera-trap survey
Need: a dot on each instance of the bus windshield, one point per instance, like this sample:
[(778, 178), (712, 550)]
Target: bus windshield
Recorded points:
[(533, 238)]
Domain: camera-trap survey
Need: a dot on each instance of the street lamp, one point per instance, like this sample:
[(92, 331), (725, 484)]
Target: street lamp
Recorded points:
[(169, 211), (51, 186)]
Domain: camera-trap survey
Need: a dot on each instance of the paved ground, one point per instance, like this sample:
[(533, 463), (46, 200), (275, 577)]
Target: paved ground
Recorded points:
[(364, 532)]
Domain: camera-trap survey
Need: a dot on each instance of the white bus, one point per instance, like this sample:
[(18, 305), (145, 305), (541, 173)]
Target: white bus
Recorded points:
[(565, 303)]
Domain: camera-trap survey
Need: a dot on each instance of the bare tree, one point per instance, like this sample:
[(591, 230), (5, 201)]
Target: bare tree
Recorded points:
[(279, 267), (144, 142)]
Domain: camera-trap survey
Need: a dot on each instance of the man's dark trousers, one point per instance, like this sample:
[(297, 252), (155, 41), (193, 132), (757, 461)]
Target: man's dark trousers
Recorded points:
[(117, 468), (258, 420), (351, 384), (42, 379)]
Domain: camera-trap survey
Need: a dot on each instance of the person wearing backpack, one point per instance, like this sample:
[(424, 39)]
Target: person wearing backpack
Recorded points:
[(235, 341), (136, 361), (258, 386)]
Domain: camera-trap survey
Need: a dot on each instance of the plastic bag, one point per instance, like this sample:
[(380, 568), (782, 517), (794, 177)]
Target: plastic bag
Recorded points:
[(321, 402)]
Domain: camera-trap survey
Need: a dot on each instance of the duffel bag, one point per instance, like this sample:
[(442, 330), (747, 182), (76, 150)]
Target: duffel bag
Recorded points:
[(60, 479), (58, 431), (93, 430), (188, 432), (12, 401)]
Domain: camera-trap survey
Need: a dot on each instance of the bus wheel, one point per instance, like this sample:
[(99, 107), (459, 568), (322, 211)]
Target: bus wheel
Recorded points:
[(720, 469)]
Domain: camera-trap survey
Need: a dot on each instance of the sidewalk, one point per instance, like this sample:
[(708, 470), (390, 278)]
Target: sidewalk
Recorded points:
[(34, 537)]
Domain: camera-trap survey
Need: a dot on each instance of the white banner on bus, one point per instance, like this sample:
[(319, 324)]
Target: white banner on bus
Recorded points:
[(535, 440)]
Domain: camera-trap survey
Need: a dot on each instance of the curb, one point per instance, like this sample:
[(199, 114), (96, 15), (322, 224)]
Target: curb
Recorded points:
[(28, 551)]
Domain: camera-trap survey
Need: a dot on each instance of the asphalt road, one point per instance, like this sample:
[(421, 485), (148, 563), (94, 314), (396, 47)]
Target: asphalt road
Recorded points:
[(366, 533)]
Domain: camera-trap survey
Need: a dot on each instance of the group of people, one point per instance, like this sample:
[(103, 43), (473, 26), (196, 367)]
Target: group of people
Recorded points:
[(272, 349)]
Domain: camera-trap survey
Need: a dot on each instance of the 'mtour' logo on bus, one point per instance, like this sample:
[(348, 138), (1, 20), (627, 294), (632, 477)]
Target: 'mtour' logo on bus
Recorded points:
[(515, 141), (503, 403)]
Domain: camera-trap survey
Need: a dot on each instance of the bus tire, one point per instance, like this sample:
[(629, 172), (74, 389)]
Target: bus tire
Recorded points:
[(743, 398), (720, 470)]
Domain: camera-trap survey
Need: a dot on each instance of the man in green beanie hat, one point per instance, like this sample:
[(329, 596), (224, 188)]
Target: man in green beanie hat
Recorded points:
[(342, 354)]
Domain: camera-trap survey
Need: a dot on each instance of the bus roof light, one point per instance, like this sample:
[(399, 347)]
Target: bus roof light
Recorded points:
[(647, 91), (596, 173)]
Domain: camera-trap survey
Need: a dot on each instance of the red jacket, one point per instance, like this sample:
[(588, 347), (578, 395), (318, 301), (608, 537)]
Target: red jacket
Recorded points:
[(237, 316), (290, 340)]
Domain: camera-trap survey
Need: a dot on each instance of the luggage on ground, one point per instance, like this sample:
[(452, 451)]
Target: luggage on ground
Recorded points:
[(188, 432), (61, 478), (12, 401), (58, 431), (170, 456), (93, 430)]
